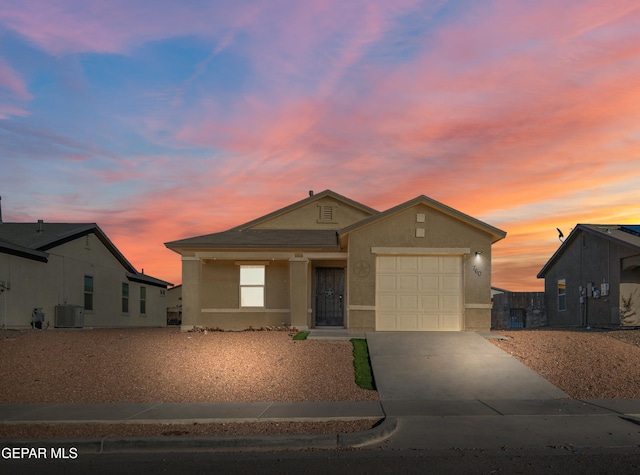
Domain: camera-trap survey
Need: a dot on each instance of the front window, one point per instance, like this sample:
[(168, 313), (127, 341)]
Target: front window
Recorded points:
[(88, 292), (562, 294), (252, 286)]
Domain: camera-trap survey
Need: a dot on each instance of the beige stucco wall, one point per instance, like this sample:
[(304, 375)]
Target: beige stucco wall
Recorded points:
[(307, 216), (399, 231), (61, 281), (218, 294)]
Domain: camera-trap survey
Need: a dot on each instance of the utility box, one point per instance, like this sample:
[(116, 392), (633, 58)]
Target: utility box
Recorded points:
[(69, 316)]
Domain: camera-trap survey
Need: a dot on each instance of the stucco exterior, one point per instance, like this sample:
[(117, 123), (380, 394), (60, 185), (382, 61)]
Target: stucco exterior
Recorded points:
[(53, 273), (600, 268), (319, 257)]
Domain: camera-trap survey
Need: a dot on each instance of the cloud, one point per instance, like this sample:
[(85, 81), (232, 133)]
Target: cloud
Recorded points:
[(11, 81), (523, 114)]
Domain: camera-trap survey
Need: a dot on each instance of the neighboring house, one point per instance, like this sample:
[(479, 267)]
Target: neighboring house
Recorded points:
[(75, 276), (328, 261), (594, 277)]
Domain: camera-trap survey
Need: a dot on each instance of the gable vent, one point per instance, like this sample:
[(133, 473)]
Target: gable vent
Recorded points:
[(326, 213)]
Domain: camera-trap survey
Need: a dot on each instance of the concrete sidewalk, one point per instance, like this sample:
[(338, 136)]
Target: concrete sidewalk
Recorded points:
[(501, 425), (435, 425), (187, 413)]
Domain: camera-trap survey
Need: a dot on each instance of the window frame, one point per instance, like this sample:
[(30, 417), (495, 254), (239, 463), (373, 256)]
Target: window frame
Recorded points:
[(89, 293), (562, 294), (249, 285), (143, 300), (125, 297)]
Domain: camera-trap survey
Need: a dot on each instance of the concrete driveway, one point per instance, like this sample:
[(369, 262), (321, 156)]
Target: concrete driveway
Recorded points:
[(450, 366)]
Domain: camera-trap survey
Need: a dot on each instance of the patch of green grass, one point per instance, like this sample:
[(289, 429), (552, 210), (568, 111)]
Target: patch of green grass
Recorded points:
[(362, 364), (301, 336)]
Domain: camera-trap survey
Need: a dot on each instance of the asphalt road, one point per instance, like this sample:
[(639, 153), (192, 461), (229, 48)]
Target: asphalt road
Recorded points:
[(547, 461)]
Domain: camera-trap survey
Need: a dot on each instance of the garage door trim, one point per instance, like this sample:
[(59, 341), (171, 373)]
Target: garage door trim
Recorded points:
[(414, 251)]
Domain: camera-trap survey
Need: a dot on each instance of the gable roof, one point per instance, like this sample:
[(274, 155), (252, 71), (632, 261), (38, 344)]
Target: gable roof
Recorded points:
[(33, 240), (496, 234), (312, 198), (244, 236), (625, 234)]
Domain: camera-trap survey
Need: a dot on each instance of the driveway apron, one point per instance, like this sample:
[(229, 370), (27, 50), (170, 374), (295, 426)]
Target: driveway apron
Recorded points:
[(450, 366)]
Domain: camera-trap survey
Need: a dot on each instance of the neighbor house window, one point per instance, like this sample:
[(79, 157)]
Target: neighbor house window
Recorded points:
[(562, 294), (125, 298), (143, 300), (88, 292), (252, 286)]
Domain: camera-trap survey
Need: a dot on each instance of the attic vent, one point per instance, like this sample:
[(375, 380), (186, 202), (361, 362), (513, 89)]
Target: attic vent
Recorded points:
[(326, 214)]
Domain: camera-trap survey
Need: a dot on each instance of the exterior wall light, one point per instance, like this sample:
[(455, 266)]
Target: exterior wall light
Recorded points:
[(478, 253)]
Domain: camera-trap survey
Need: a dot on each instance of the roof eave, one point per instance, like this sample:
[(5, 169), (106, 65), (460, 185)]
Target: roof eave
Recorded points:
[(146, 279)]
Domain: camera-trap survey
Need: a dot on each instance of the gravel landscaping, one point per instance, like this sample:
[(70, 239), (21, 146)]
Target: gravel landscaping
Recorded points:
[(164, 365), (586, 364)]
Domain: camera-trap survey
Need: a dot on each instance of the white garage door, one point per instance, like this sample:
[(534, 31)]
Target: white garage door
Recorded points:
[(419, 293)]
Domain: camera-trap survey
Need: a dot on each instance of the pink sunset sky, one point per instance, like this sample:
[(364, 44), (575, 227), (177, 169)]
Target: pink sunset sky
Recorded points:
[(161, 120)]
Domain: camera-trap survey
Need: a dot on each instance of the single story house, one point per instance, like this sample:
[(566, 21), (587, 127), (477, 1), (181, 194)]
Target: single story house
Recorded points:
[(594, 277), (71, 275), (328, 261)]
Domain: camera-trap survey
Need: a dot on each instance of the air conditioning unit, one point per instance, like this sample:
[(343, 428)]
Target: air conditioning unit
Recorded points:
[(69, 316)]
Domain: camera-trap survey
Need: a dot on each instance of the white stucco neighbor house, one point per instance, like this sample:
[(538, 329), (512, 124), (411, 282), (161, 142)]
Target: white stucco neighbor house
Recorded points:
[(71, 275)]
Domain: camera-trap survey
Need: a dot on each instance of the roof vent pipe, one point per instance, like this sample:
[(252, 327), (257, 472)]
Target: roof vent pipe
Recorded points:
[(40, 228), (310, 192)]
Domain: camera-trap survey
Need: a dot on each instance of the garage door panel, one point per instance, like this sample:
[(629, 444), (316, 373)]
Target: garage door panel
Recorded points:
[(419, 293), (386, 265), (429, 322), (408, 303), (429, 283), (406, 264), (386, 322), (449, 322), (429, 264), (430, 303), (408, 283), (386, 302), (408, 322), (387, 283), (450, 283), (450, 303), (451, 264)]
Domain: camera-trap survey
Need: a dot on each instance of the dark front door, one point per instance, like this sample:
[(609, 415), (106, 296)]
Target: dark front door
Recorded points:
[(329, 297)]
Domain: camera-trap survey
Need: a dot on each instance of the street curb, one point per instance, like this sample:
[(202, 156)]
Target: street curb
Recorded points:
[(381, 431), (111, 445)]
